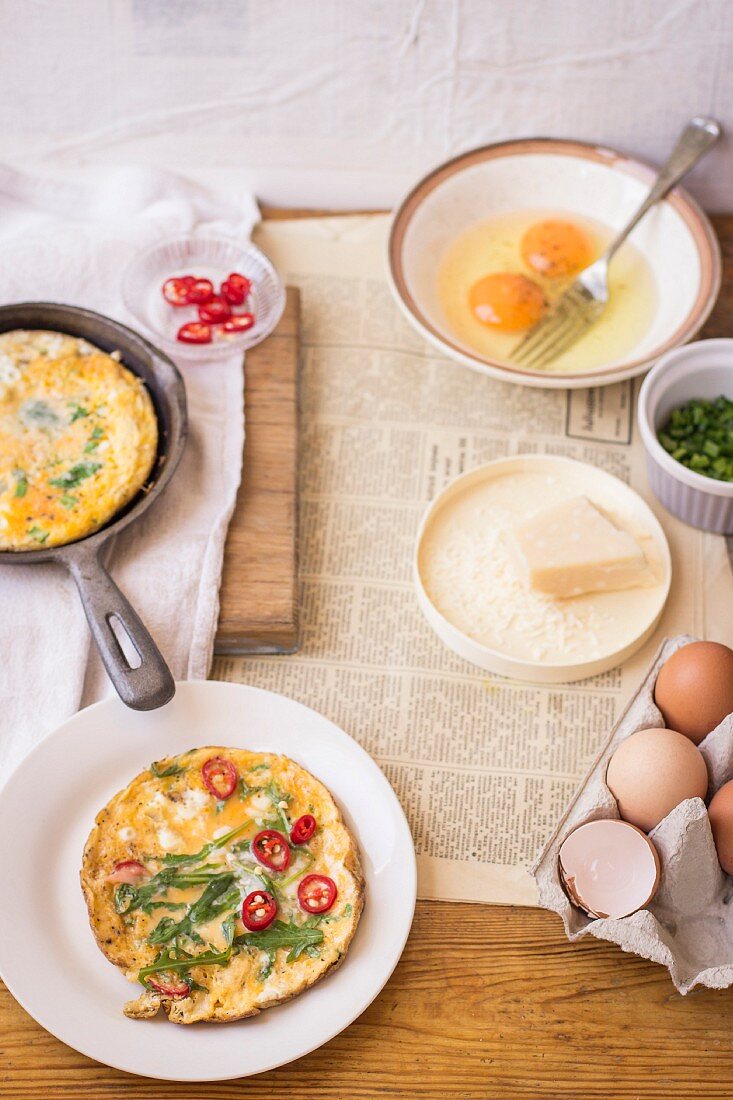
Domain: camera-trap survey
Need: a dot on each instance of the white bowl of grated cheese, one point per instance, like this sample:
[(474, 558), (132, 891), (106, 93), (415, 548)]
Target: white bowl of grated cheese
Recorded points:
[(475, 597)]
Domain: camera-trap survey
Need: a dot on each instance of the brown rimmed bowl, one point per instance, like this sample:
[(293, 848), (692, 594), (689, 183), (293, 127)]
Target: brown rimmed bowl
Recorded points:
[(676, 239)]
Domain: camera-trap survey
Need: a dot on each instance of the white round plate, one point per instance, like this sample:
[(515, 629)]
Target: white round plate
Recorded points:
[(566, 477), (48, 957)]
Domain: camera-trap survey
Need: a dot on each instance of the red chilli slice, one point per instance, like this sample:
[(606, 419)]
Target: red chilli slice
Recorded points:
[(317, 893), (220, 777), (175, 291), (258, 910), (236, 288), (215, 311), (303, 829), (240, 322), (194, 332), (130, 871), (175, 988), (271, 848), (200, 291)]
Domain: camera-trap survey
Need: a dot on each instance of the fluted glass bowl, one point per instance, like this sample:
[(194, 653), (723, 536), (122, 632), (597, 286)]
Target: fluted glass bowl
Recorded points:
[(207, 257)]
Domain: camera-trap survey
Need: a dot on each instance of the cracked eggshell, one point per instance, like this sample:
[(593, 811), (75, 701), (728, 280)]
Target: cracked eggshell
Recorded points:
[(651, 772), (609, 868)]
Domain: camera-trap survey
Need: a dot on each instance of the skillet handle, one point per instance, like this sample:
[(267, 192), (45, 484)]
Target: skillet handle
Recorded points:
[(151, 684)]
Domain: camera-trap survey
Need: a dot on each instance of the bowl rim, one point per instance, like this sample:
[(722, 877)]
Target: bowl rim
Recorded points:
[(695, 219), (655, 380)]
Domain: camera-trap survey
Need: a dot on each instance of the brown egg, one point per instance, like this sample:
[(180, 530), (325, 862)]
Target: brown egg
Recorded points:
[(720, 812), (651, 772), (694, 689)]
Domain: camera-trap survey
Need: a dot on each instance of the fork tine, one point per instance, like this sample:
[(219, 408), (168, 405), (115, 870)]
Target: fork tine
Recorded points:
[(576, 328), (543, 330), (570, 307)]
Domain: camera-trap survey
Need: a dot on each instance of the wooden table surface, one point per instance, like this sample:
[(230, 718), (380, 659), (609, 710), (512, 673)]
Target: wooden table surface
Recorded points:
[(487, 1003)]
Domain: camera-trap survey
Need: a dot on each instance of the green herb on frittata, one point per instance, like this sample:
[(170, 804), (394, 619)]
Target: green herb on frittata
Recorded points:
[(68, 501), (38, 534), (75, 475), (299, 938), (94, 440), (77, 411), (172, 769), (245, 791)]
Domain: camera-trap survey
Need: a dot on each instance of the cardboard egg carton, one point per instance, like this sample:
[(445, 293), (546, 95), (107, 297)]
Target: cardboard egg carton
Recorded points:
[(688, 926)]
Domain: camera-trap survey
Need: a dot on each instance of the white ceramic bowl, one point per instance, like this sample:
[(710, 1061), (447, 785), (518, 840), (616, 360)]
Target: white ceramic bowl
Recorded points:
[(209, 258), (676, 239), (703, 370), (577, 477)]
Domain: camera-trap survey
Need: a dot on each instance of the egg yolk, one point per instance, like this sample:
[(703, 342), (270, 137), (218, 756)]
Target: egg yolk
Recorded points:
[(506, 302), (555, 248)]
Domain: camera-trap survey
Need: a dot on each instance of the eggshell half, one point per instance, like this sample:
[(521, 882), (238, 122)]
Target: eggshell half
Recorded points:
[(651, 772), (609, 868), (694, 688), (720, 812)]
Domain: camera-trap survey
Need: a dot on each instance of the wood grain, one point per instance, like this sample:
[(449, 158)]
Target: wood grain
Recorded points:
[(487, 1003), (259, 593)]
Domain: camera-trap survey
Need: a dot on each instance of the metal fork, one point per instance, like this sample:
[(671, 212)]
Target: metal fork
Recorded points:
[(586, 298)]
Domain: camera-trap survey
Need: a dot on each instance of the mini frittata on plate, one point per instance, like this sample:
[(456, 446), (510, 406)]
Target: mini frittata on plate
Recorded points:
[(224, 882), (78, 438)]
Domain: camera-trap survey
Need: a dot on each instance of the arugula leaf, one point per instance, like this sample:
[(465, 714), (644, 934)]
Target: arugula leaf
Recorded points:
[(244, 790), (172, 769), (128, 897), (75, 475), (297, 937), (227, 929), (303, 865), (259, 871), (124, 897), (171, 860), (217, 898), (149, 906), (267, 968), (78, 411), (167, 963), (277, 796)]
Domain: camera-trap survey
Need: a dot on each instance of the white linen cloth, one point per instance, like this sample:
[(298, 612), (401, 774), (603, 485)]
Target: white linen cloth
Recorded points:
[(70, 243)]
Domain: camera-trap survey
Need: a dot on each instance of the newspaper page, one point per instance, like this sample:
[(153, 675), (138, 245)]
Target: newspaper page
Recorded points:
[(483, 766)]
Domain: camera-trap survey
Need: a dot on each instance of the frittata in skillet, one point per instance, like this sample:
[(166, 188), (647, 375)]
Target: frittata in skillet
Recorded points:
[(224, 882), (78, 438)]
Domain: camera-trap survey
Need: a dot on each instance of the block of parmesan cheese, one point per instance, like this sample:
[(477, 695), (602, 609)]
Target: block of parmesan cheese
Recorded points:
[(573, 548)]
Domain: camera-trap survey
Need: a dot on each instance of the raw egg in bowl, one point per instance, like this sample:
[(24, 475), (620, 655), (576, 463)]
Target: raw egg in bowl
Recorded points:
[(482, 246)]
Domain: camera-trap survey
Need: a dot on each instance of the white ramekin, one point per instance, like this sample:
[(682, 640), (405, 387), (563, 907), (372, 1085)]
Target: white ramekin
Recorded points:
[(704, 370)]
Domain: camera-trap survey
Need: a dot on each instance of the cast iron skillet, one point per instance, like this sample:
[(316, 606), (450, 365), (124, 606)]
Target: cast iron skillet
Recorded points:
[(150, 685)]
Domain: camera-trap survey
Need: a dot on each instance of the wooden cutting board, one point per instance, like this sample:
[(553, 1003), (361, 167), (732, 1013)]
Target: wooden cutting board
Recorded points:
[(259, 594)]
